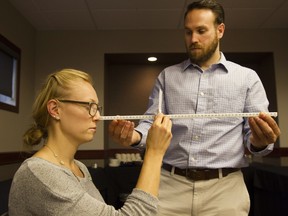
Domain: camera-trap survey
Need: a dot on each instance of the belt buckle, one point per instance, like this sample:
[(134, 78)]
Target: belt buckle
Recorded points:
[(196, 175), (192, 174)]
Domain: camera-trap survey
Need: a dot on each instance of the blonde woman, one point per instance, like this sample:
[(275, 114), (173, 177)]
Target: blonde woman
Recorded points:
[(52, 182)]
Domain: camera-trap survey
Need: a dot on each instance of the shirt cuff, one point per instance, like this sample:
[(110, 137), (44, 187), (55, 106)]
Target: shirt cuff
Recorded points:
[(142, 143), (269, 148)]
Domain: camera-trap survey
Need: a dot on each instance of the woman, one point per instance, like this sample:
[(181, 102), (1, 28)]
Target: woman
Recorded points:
[(52, 182)]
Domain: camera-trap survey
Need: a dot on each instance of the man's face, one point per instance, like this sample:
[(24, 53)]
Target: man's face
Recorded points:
[(202, 36)]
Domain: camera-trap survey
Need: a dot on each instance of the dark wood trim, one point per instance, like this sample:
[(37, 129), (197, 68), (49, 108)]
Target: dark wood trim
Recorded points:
[(102, 154), (13, 157), (18, 157), (279, 152)]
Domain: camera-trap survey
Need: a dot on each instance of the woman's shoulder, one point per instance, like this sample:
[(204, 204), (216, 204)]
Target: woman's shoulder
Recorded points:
[(45, 172), (47, 176), (40, 166)]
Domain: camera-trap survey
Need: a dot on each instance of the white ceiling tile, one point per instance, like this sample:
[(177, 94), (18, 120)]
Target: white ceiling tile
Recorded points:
[(25, 6), (246, 18), (137, 19), (161, 4), (279, 19), (121, 19), (284, 5), (38, 21), (148, 14), (250, 3), (164, 19), (135, 4), (60, 5), (71, 20), (111, 4)]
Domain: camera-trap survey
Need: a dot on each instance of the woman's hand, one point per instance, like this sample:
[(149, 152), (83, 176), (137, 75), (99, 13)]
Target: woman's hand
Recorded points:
[(159, 134)]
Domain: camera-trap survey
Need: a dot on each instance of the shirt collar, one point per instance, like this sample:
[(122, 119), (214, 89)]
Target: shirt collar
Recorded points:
[(222, 63)]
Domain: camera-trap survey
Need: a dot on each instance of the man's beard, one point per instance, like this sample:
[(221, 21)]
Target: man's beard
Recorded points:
[(205, 55)]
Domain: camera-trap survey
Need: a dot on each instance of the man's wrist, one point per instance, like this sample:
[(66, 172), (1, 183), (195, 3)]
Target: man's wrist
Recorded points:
[(256, 148), (139, 138)]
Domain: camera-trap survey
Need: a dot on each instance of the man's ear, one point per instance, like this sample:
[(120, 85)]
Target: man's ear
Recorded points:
[(220, 30), (53, 109)]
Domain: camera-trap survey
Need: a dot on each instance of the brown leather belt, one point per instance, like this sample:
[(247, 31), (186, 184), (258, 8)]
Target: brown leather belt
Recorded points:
[(199, 174)]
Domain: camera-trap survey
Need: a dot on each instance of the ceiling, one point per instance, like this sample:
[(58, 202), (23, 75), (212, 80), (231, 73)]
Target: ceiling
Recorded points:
[(145, 14)]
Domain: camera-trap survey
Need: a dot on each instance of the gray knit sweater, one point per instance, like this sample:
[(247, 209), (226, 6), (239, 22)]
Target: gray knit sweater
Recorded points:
[(43, 188)]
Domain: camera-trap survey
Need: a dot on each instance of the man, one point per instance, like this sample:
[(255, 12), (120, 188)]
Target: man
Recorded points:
[(201, 169)]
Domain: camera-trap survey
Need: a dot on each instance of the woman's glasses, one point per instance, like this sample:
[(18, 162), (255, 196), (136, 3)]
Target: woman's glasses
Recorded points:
[(93, 107)]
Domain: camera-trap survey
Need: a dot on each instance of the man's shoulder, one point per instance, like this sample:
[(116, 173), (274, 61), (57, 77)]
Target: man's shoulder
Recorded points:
[(232, 66)]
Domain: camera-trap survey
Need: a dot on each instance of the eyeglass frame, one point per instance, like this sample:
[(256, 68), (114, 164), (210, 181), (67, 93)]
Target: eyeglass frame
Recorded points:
[(90, 104)]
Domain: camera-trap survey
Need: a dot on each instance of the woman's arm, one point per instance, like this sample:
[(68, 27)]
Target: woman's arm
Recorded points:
[(158, 140)]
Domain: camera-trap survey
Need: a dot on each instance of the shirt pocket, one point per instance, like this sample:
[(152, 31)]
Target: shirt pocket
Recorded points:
[(229, 102)]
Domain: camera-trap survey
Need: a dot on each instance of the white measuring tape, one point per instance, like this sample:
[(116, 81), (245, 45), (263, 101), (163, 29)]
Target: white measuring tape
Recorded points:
[(177, 116)]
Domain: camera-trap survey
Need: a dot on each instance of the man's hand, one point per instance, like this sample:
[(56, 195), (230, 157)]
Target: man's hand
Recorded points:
[(123, 133), (264, 130)]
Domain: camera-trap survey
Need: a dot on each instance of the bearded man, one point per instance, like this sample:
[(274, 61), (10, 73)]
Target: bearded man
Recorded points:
[(201, 172)]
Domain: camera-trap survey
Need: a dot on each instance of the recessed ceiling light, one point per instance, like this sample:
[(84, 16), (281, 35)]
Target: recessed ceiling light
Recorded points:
[(152, 59)]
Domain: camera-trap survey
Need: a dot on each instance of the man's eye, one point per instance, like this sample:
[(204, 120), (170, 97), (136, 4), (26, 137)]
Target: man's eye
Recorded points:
[(201, 31)]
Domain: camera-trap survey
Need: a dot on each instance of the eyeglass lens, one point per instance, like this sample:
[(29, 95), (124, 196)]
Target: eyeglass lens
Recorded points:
[(94, 108)]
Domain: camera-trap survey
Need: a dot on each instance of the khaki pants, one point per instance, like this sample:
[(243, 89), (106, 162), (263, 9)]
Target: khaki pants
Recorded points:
[(226, 196)]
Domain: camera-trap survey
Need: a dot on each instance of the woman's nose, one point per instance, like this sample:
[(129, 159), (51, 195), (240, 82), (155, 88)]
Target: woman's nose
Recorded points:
[(97, 116)]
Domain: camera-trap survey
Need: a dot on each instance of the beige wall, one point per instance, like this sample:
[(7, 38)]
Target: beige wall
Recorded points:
[(23, 35), (12, 125), (267, 41), (85, 50)]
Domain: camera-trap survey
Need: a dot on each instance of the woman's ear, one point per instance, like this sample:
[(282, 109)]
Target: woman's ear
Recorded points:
[(53, 109)]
